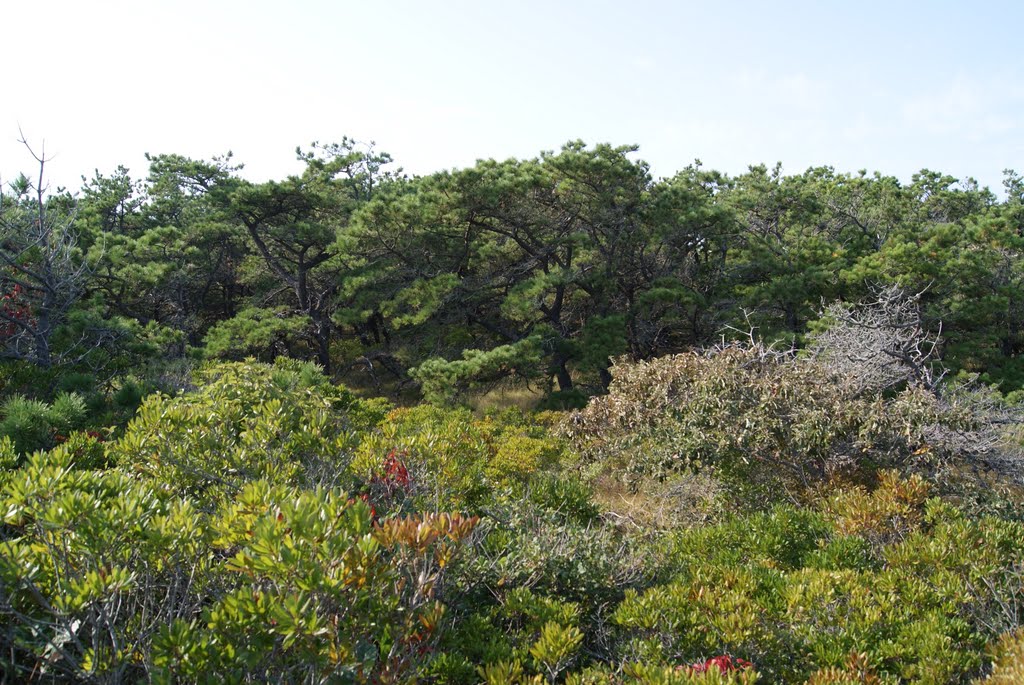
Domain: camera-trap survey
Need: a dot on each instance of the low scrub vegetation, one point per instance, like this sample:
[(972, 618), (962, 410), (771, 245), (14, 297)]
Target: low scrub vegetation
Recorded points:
[(271, 526)]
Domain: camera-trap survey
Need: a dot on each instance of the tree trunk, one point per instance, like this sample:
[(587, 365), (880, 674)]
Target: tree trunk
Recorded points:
[(562, 375)]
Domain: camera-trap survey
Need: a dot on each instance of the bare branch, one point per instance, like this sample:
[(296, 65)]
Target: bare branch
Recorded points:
[(39, 255), (882, 343)]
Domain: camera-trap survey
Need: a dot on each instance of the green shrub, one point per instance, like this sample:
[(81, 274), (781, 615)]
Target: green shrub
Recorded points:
[(457, 461), (565, 496), (649, 674), (519, 545), (67, 412), (107, 578), (320, 593), (856, 671), (539, 633), (33, 424), (888, 514), (445, 451), (284, 423), (781, 538), (923, 589), (129, 395), (8, 459), (717, 611), (27, 423), (268, 525), (90, 565), (78, 382)]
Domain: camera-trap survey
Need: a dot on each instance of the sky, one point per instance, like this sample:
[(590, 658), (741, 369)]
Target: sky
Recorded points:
[(887, 86)]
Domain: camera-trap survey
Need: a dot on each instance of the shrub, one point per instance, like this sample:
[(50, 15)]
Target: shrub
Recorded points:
[(1007, 660), (568, 498), (522, 633), (523, 546), (107, 578), (285, 423), (519, 456), (649, 674), (784, 538), (716, 610), (773, 425), (917, 604), (33, 424), (886, 515), (82, 383), (445, 452), (92, 563), (321, 592), (26, 422), (270, 526), (855, 671), (129, 395), (458, 461)]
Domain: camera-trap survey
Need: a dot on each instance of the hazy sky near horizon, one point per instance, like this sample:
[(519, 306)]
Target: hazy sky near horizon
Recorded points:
[(887, 86)]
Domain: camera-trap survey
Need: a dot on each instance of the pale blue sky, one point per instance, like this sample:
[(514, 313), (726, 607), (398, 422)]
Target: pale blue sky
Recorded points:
[(878, 85)]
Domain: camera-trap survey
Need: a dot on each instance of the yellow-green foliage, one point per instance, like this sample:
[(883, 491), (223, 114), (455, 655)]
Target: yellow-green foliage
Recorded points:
[(649, 674), (1007, 660), (856, 671), (523, 636), (507, 673), (92, 564), (541, 631), (247, 421), (519, 456), (108, 578), (455, 459), (214, 542), (889, 513), (902, 605), (321, 592), (555, 648), (8, 458), (717, 611)]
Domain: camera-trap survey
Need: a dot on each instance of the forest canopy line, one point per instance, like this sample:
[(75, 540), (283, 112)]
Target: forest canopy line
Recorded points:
[(535, 272)]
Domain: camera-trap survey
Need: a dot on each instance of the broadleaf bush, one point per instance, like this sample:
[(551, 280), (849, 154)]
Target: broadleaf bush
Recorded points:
[(271, 526)]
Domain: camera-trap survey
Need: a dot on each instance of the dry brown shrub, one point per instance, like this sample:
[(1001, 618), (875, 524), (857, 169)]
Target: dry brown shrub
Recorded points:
[(780, 425)]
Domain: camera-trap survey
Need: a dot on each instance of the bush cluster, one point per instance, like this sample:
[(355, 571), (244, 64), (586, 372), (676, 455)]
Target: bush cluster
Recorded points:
[(270, 526)]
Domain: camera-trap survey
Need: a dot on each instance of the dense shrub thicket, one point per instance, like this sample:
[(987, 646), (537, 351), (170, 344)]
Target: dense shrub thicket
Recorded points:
[(268, 525), (767, 424)]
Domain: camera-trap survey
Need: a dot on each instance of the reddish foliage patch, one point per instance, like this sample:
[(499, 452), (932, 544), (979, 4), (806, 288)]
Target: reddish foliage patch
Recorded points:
[(395, 471), (389, 486), (14, 312), (724, 663)]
